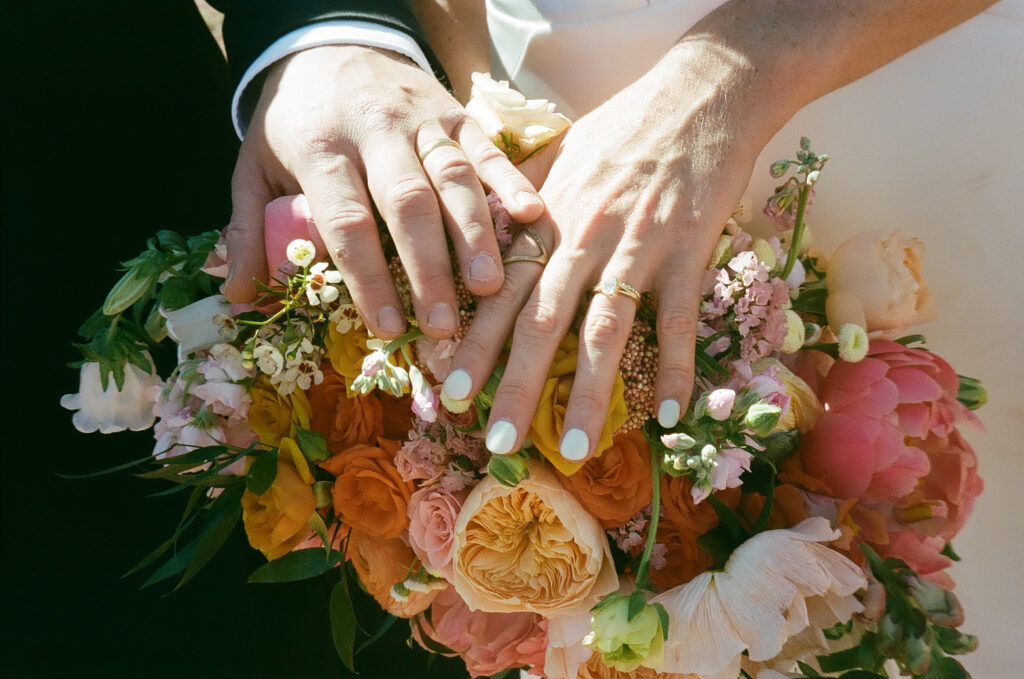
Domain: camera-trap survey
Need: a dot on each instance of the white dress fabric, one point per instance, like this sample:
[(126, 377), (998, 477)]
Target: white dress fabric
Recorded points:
[(933, 145)]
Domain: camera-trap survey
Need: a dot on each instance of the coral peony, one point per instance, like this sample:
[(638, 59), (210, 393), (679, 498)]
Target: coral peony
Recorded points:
[(532, 548), (369, 493), (875, 282), (616, 485), (487, 642), (773, 586), (382, 563)]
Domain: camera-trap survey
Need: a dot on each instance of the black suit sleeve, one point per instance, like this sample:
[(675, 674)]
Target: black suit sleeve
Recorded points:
[(250, 26)]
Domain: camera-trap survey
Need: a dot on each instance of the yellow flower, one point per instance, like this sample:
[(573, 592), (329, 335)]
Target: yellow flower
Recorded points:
[(546, 428), (276, 521), (625, 644), (272, 416), (804, 406), (532, 548)]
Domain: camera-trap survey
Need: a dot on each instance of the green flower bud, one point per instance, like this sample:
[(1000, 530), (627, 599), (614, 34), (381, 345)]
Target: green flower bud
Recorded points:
[(322, 493), (130, 289), (762, 417), (940, 605), (971, 393), (509, 470), (627, 641), (917, 654)]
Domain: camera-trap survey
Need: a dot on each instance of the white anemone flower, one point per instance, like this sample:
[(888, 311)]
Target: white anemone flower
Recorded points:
[(773, 586), (195, 327), (109, 410)]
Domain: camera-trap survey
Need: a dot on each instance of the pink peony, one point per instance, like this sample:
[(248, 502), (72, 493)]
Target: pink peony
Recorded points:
[(286, 219), (432, 515), (888, 437), (487, 642)]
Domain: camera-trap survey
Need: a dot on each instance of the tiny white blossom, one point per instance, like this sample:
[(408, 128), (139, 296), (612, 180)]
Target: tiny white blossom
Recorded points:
[(301, 252), (320, 284), (268, 359)]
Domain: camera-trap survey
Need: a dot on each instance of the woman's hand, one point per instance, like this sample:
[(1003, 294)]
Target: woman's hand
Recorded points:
[(348, 125), (639, 190)]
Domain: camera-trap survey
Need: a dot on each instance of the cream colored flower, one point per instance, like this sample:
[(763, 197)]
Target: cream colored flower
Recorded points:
[(804, 407), (517, 125), (110, 410), (532, 548), (772, 587), (875, 281), (194, 327)]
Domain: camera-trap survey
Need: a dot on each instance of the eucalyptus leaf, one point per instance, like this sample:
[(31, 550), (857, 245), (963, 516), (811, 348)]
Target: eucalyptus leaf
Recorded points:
[(262, 473), (177, 563), (343, 623), (301, 564), (224, 514)]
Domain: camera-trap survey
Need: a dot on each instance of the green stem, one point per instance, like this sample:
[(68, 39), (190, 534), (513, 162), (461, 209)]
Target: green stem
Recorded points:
[(798, 231), (400, 342), (643, 579)]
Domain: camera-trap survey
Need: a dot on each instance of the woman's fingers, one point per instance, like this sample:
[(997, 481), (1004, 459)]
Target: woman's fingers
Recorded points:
[(678, 303), (341, 210), (603, 337), (495, 316), (463, 207), (517, 194), (406, 200)]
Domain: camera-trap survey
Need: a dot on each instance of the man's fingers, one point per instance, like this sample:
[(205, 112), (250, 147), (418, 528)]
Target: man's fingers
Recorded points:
[(464, 209), (341, 210), (406, 199), (516, 192), (483, 343), (603, 337), (250, 193)]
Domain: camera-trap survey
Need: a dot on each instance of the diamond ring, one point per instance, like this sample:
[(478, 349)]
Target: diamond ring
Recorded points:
[(612, 286)]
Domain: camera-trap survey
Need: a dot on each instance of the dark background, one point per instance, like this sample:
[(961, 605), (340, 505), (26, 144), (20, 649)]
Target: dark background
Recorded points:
[(116, 124)]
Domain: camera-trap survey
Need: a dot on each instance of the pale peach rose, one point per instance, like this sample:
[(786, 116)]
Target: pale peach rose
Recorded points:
[(530, 548), (432, 516), (773, 586), (382, 563), (875, 281), (487, 642)]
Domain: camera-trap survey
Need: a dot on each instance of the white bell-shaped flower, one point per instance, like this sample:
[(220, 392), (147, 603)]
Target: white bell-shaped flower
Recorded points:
[(110, 410)]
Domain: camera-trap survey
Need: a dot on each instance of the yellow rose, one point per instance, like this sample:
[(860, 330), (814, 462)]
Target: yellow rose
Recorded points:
[(272, 415), (804, 406), (276, 521), (532, 548), (546, 428)]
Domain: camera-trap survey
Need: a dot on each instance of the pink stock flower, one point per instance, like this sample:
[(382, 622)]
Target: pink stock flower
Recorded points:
[(432, 514), (888, 438), (720, 402), (487, 642), (286, 219), (424, 401)]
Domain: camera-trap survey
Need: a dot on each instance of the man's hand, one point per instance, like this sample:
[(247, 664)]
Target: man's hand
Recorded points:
[(347, 125)]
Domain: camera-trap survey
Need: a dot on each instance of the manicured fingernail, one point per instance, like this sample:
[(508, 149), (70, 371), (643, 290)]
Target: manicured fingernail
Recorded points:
[(390, 320), (457, 385), (526, 199), (442, 317), (502, 437), (668, 412), (575, 445), (483, 268)]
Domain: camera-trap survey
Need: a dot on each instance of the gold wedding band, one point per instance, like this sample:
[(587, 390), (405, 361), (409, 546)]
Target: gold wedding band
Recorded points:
[(436, 144), (541, 257), (612, 286)]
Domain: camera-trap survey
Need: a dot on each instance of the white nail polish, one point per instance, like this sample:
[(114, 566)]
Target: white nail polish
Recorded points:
[(457, 385), (668, 412), (502, 437), (575, 445)]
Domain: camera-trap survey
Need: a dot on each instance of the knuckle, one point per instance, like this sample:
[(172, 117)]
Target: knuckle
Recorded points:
[(675, 374), (379, 115), (372, 283), (455, 169), (588, 402), (486, 153), (602, 327), (677, 324), (411, 197), (537, 321), (347, 219), (474, 345), (435, 279), (514, 391)]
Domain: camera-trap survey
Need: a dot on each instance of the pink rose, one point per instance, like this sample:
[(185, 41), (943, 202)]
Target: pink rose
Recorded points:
[(888, 437), (487, 642), (720, 403), (286, 219), (432, 515), (875, 281)]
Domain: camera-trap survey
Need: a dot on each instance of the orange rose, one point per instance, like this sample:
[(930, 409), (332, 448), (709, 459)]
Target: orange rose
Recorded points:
[(681, 524), (380, 564), (787, 508), (616, 485), (345, 421), (369, 493), (276, 522), (397, 417)]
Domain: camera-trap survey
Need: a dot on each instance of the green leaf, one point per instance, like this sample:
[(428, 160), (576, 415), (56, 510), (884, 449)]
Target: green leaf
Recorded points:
[(108, 470), (132, 287), (316, 522), (807, 669), (861, 674), (177, 563), (944, 667), (637, 602), (224, 514), (301, 564), (343, 623), (163, 547), (262, 473), (381, 631), (805, 144), (662, 618), (313, 444), (728, 518)]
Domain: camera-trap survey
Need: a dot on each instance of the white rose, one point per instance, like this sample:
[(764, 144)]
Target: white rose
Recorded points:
[(517, 125)]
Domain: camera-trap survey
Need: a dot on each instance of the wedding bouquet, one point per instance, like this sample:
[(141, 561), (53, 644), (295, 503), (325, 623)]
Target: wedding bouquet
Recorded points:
[(796, 522)]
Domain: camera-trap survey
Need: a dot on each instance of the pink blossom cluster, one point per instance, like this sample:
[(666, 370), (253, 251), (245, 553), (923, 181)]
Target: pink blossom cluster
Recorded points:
[(440, 453), (747, 298)]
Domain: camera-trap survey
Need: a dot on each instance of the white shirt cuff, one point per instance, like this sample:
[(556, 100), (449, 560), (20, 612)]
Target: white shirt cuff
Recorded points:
[(341, 32)]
